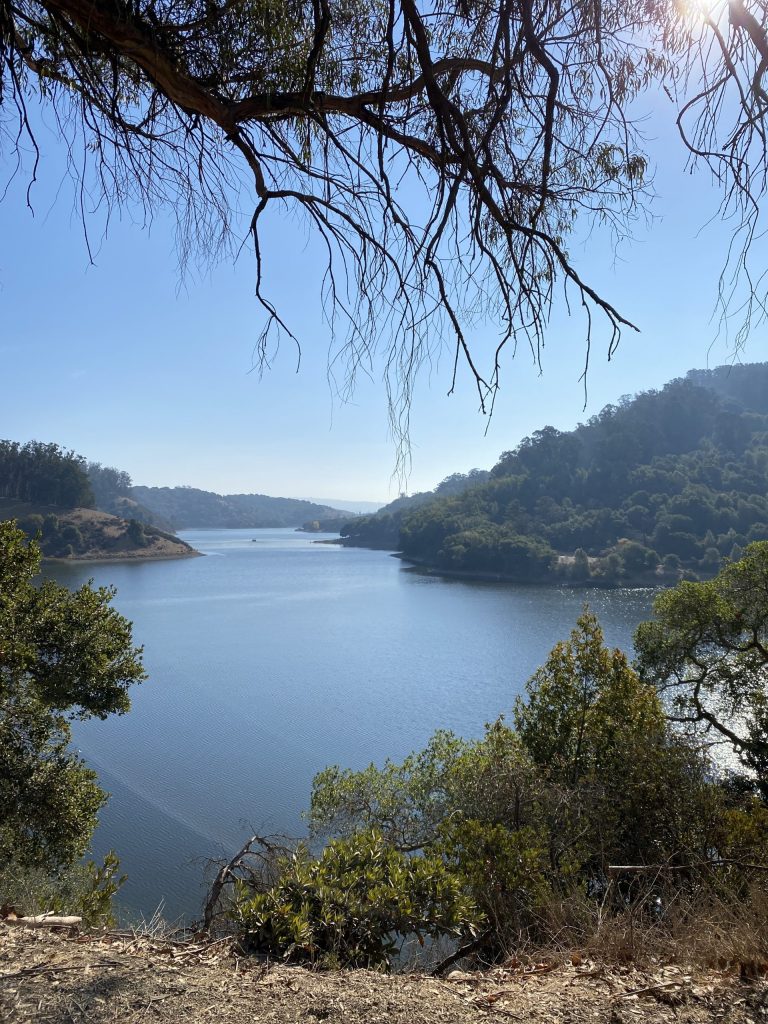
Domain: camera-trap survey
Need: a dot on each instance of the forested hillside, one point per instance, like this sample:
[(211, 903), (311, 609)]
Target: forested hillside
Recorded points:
[(382, 530), (65, 503), (188, 507), (666, 483), (112, 493)]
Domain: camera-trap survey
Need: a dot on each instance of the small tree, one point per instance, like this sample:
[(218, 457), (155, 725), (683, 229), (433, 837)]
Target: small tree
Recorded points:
[(707, 652), (598, 733), (135, 533)]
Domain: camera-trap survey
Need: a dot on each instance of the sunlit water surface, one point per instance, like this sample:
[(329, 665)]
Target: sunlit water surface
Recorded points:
[(274, 656)]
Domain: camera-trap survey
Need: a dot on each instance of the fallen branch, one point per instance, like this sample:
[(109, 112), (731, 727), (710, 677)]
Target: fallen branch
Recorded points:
[(228, 871), (55, 968), (645, 869), (45, 921), (680, 982), (469, 947)]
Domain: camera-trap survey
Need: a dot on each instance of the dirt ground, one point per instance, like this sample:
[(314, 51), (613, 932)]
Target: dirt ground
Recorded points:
[(58, 979)]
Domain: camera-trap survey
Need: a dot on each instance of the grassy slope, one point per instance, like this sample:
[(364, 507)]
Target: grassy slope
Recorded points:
[(105, 536)]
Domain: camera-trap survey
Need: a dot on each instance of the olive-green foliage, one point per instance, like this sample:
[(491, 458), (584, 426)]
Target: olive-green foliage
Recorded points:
[(707, 651), (636, 792), (49, 798), (589, 775), (63, 656), (502, 869), (584, 706), (354, 904), (406, 802)]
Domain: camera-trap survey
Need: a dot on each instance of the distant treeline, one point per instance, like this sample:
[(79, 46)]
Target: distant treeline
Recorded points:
[(46, 478), (189, 507), (667, 483)]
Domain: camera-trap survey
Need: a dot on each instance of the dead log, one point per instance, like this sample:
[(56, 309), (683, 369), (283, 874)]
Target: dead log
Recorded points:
[(45, 921)]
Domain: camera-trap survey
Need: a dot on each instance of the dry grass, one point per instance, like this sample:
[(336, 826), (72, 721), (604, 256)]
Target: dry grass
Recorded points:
[(715, 926), (709, 929), (56, 979)]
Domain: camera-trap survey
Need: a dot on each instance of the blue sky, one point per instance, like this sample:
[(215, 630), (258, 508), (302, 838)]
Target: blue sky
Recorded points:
[(133, 365)]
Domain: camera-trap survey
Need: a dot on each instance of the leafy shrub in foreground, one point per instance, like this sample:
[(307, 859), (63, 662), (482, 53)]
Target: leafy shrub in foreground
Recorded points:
[(510, 838), (353, 904)]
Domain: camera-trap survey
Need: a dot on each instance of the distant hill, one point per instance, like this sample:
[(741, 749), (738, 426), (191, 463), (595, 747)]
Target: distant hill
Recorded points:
[(188, 508), (382, 530), (659, 486), (112, 493), (358, 507)]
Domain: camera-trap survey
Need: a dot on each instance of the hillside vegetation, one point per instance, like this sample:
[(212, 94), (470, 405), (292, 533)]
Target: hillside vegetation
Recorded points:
[(188, 507), (86, 534), (53, 494), (664, 484), (113, 493)]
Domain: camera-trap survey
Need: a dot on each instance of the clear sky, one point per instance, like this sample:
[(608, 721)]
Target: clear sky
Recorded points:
[(134, 366)]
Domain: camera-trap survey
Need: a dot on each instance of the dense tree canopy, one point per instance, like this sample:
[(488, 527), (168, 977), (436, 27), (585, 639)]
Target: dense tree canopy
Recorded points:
[(43, 474), (510, 122), (670, 481), (63, 655)]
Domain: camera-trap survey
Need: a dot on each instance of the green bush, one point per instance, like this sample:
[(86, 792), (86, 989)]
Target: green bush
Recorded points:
[(63, 655), (354, 905), (510, 837)]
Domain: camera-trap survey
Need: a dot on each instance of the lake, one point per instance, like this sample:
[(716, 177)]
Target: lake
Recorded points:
[(274, 656)]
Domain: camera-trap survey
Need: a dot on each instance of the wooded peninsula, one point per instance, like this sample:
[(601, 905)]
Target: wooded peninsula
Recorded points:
[(653, 489)]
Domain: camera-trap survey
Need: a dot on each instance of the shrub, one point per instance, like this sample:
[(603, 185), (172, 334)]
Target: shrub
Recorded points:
[(354, 905)]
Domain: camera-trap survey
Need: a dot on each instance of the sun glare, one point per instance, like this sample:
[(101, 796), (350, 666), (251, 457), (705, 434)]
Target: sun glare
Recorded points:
[(699, 11)]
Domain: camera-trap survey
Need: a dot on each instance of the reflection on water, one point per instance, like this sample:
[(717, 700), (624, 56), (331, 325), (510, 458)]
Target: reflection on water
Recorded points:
[(270, 660)]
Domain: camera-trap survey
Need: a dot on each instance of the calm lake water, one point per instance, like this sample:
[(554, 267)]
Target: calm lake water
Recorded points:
[(273, 657)]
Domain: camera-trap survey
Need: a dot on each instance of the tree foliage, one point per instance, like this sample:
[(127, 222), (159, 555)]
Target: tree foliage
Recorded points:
[(44, 474), (585, 707), (590, 774), (707, 651), (63, 656), (666, 482), (354, 904), (405, 802), (509, 122)]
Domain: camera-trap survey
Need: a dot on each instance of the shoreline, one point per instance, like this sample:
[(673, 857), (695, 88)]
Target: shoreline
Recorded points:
[(494, 577), (481, 576), (128, 557)]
